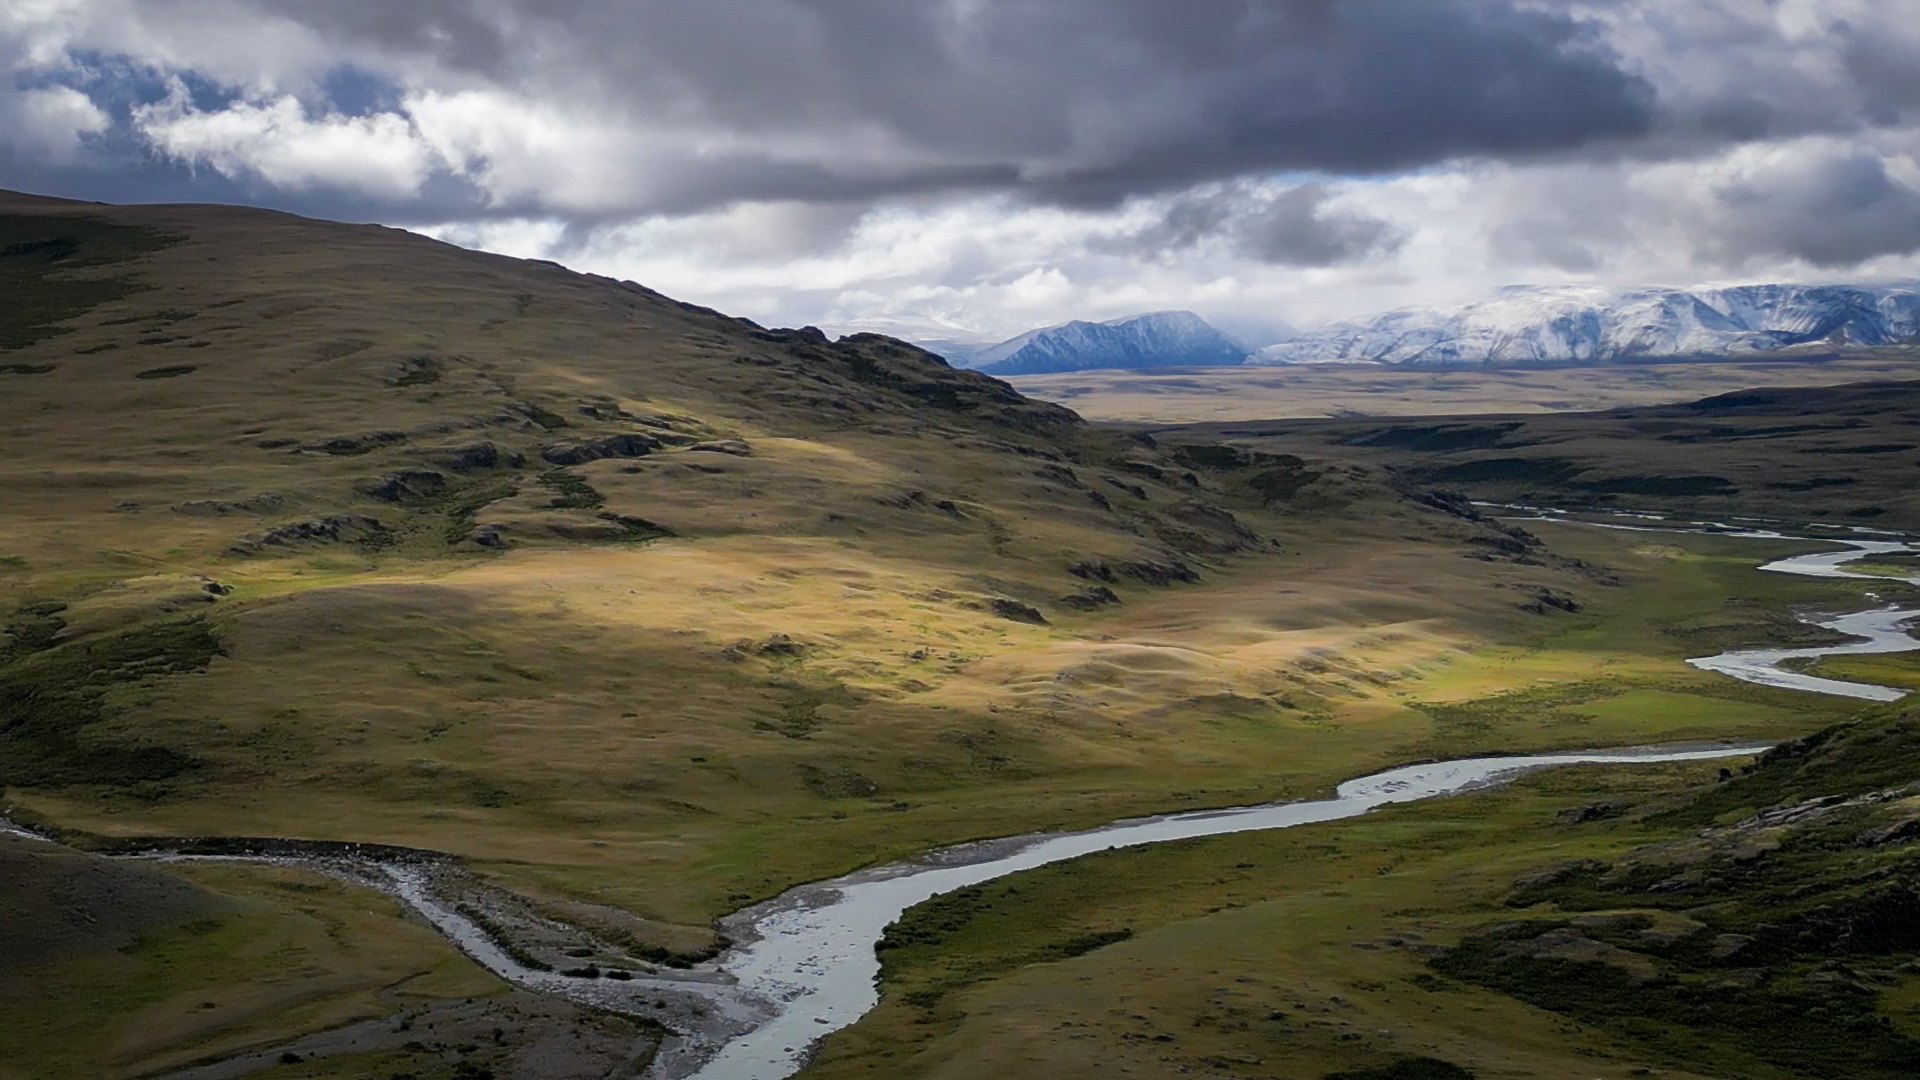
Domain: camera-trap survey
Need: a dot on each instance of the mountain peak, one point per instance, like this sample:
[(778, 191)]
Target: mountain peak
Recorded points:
[(1555, 325), (1155, 339)]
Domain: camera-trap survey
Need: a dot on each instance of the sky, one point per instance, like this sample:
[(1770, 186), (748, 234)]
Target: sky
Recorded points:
[(969, 169)]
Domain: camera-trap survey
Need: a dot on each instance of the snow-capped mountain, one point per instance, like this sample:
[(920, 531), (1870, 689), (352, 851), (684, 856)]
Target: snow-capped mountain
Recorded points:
[(1162, 339), (1527, 326)]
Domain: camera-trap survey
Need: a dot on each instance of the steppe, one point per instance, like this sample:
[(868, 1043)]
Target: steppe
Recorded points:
[(641, 613), (1232, 394)]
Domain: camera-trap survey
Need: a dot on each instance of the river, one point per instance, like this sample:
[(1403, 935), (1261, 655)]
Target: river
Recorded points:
[(1884, 629), (811, 949), (804, 964)]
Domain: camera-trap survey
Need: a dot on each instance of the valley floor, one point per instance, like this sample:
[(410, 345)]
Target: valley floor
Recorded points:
[(1222, 395), (1369, 686)]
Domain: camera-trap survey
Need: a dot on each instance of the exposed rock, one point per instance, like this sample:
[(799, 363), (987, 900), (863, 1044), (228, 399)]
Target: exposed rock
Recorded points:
[(1059, 474), (628, 445), (1143, 570), (1447, 501), (1016, 611), (1508, 545), (481, 455), (1089, 599), (407, 485), (780, 645), (337, 528), (1548, 599), (1898, 832), (722, 446)]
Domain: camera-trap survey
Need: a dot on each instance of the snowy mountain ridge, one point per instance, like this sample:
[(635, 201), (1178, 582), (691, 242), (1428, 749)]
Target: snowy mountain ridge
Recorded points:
[(1527, 326), (1159, 339)]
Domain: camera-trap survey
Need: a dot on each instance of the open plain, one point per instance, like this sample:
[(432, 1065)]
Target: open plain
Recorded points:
[(1234, 394)]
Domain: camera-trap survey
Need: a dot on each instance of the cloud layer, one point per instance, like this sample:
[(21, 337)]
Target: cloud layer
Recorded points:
[(982, 165)]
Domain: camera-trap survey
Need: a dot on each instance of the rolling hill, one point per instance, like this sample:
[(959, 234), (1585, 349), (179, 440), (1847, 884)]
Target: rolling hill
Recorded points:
[(335, 533)]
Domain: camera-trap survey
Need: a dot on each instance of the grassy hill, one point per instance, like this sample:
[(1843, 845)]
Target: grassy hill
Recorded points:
[(334, 532)]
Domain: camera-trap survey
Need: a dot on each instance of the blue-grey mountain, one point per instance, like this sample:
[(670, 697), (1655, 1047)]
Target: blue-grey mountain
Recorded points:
[(1528, 326), (1162, 339)]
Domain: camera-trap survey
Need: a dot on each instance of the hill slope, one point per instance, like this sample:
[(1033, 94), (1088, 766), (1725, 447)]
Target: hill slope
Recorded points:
[(1539, 326), (335, 531), (338, 533)]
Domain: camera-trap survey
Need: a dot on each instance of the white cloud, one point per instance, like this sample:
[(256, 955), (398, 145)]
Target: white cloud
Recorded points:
[(279, 142), (50, 122), (749, 166)]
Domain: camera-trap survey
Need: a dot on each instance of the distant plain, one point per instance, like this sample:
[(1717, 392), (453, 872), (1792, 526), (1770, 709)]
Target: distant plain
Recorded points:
[(1228, 394)]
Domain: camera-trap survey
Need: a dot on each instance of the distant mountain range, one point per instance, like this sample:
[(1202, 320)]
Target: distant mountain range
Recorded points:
[(1161, 339), (1529, 326)]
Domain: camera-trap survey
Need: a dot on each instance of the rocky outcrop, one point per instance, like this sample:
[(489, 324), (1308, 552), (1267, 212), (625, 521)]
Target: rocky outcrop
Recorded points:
[(334, 529), (630, 444), (407, 485)]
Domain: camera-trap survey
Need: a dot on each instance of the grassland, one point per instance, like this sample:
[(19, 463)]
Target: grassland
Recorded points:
[(1235, 394), (335, 533), (1291, 954), (1579, 923), (1838, 454), (175, 966)]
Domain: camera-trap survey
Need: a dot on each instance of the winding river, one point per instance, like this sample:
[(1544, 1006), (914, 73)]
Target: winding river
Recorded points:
[(1884, 629), (811, 950), (804, 964)]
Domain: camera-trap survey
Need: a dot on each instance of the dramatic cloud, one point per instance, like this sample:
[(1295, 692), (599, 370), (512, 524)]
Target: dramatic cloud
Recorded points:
[(978, 163), (1285, 227)]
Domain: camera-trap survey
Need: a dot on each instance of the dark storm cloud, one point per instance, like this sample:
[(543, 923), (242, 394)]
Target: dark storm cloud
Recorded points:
[(1078, 101), (1292, 227), (1097, 100), (1835, 211)]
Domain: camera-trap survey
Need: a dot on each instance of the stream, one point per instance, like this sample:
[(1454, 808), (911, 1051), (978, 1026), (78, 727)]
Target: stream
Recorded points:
[(804, 963), (1885, 629), (811, 949)]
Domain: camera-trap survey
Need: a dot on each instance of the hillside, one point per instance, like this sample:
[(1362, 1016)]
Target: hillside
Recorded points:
[(1529, 326), (337, 533)]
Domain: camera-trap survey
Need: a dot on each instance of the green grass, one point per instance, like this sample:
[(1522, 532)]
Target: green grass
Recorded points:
[(39, 257), (1887, 669), (51, 696), (301, 953)]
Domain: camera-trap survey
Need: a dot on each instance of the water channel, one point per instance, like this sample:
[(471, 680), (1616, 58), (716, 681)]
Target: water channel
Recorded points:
[(804, 964)]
